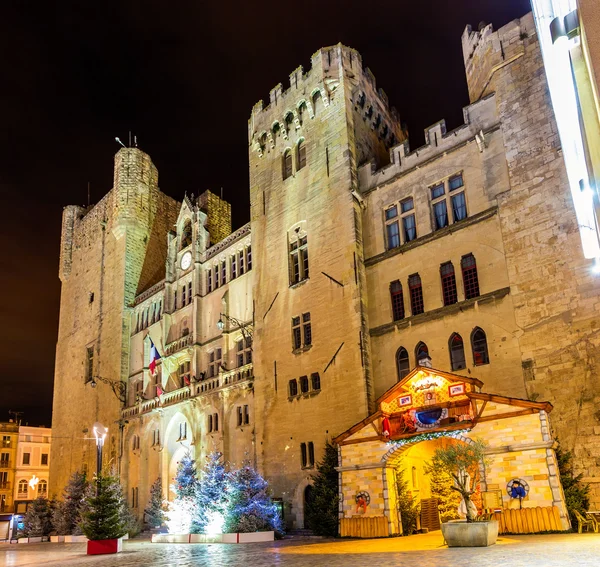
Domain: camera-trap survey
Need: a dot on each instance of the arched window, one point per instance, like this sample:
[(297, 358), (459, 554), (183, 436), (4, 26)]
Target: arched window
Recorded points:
[(402, 363), (317, 101), (480, 347), (421, 352), (301, 110), (301, 157), (457, 352), (186, 235), (287, 164), (448, 283), (42, 487), (416, 294), (289, 121), (397, 299), (22, 490), (470, 279)]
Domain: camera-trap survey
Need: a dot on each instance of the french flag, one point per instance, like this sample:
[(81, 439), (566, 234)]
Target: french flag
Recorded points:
[(154, 358)]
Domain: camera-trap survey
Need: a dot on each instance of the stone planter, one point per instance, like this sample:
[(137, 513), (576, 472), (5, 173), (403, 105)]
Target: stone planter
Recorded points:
[(57, 538), (474, 534), (251, 537), (104, 546)]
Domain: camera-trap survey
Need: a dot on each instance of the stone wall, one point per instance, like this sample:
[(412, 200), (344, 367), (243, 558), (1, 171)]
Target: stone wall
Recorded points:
[(218, 216)]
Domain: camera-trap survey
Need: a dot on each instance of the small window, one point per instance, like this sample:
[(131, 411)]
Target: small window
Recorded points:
[(409, 225), (249, 256), (303, 455), (437, 191), (301, 155), (459, 207), (246, 415), (416, 294), (89, 364), (455, 182), (240, 415), (311, 454), (210, 423), (234, 266), (448, 283), (480, 347), (189, 292), (241, 258), (287, 164), (298, 258), (22, 490), (421, 352), (316, 381), (44, 458), (209, 286), (457, 352), (174, 306), (296, 333), (184, 296), (306, 329), (470, 278), (304, 384), (216, 273), (397, 299), (293, 384), (26, 458), (392, 230), (43, 487), (223, 272), (402, 363)]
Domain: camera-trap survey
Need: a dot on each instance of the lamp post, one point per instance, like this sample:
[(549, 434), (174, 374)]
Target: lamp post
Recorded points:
[(118, 387), (100, 434), (246, 329)]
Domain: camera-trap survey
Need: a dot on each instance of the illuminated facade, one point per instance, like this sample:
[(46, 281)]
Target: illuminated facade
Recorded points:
[(361, 258)]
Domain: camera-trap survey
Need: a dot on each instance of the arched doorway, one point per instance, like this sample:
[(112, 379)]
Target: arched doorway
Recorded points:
[(308, 498)]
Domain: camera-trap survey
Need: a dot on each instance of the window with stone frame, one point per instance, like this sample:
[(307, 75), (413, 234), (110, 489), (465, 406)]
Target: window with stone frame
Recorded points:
[(470, 278), (392, 227), (174, 305), (183, 295), (234, 266), (43, 488), (223, 272), (244, 351), (448, 277), (296, 333), (44, 461), (421, 352), (216, 275), (306, 329), (402, 363), (457, 352), (184, 373), (311, 454), (409, 223), (215, 422), (303, 455), (397, 299), (448, 196), (286, 163), (210, 423), (480, 347), (241, 257), (415, 289), (189, 286), (249, 257), (315, 381), (26, 458), (301, 331), (298, 257), (301, 155), (246, 415), (209, 282), (214, 362), (240, 416), (89, 364), (293, 387), (22, 489), (304, 385)]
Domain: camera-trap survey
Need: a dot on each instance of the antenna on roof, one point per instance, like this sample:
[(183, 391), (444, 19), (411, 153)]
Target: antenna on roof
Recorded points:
[(135, 141), (129, 145)]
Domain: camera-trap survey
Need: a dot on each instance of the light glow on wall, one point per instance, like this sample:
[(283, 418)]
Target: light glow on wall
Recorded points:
[(564, 102)]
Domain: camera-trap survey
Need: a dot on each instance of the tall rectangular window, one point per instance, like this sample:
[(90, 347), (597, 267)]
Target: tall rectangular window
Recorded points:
[(189, 292), (209, 285), (216, 271), (304, 387), (416, 294), (316, 381), (470, 278), (440, 209), (298, 258), (453, 199), (293, 387), (184, 296), (210, 423), (391, 227), (307, 329), (241, 255), (397, 298), (457, 197), (448, 283), (174, 304), (214, 362), (303, 455), (287, 164), (26, 458), (246, 415), (244, 351), (296, 333), (216, 421), (224, 272), (89, 364), (240, 415), (409, 225), (249, 257), (301, 155), (234, 266), (311, 454)]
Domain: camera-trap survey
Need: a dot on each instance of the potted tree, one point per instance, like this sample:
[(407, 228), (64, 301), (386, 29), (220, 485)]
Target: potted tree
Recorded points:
[(462, 462), (102, 520)]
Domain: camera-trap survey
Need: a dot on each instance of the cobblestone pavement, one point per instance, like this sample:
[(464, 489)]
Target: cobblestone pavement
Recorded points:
[(572, 550)]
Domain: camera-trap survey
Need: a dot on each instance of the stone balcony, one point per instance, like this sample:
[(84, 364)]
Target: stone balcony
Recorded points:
[(177, 345), (242, 375)]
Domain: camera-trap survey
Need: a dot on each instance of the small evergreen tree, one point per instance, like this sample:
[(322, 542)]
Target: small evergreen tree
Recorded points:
[(211, 495), (408, 508), (576, 492), (38, 519), (249, 508), (441, 488), (106, 514), (155, 514), (322, 511), (67, 513), (183, 508)]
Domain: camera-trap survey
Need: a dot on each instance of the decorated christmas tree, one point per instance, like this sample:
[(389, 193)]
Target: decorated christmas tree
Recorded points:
[(249, 507), (322, 510), (105, 515), (441, 488), (183, 508), (408, 508), (211, 496), (155, 515), (38, 519), (67, 513)]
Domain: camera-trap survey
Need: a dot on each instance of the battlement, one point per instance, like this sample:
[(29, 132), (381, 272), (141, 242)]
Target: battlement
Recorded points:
[(479, 118), (486, 51), (327, 65)]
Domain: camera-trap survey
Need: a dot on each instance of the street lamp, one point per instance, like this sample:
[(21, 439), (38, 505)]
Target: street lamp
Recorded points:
[(118, 387), (100, 434), (247, 329)]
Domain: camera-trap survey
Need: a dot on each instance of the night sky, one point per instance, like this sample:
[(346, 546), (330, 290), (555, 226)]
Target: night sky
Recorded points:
[(183, 76)]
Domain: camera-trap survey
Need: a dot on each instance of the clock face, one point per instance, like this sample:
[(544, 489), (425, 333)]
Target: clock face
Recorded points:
[(186, 260)]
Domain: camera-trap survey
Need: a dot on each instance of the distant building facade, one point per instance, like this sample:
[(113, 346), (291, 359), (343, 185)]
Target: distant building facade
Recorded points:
[(361, 258)]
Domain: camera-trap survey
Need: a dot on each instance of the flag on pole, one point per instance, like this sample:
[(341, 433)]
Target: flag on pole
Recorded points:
[(154, 357), (159, 390)]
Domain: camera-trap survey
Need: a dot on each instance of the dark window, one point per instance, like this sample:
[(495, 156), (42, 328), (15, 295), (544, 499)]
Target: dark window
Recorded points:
[(189, 294), (470, 279), (316, 381), (217, 284), (307, 329), (216, 421), (246, 415), (174, 305), (183, 296), (301, 155), (26, 458), (311, 454), (421, 352), (303, 455), (397, 300), (296, 333), (480, 347), (240, 416), (209, 280), (89, 364), (287, 164), (249, 257), (293, 387), (416, 294), (448, 283), (241, 262), (234, 266), (391, 227), (240, 353), (457, 352), (304, 384), (402, 363), (223, 272), (210, 423), (298, 252), (409, 226)]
